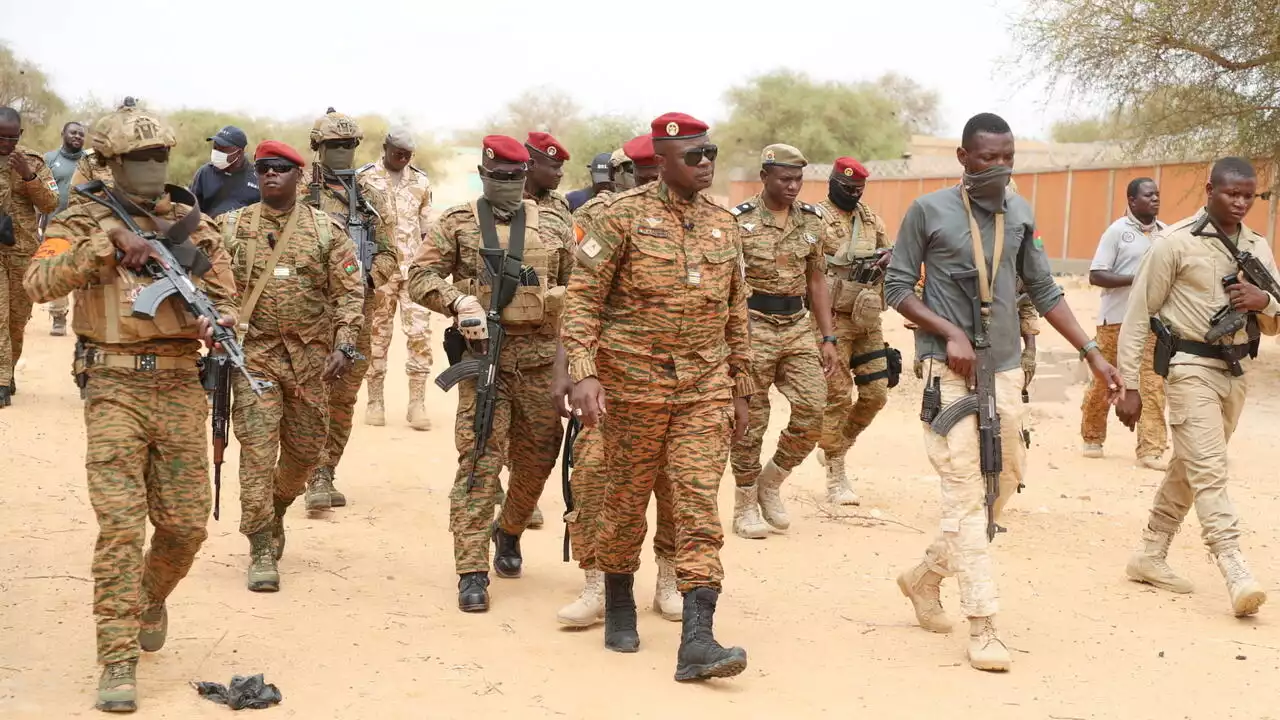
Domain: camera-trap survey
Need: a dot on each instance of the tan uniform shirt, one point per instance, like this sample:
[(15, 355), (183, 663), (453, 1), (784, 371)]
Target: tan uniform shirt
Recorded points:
[(780, 250), (409, 200)]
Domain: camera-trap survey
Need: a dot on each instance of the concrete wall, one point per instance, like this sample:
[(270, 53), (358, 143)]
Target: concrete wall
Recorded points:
[(1072, 207)]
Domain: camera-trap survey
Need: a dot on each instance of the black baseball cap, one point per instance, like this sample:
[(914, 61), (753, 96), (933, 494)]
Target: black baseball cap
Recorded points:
[(230, 136), (600, 168)]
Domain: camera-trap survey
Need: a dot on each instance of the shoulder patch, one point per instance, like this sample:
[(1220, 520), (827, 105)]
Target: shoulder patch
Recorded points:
[(742, 208), (52, 247)]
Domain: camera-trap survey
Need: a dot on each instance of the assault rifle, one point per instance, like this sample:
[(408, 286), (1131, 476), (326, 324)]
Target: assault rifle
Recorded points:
[(220, 370), (981, 401), (170, 273), (359, 223), (1228, 321)]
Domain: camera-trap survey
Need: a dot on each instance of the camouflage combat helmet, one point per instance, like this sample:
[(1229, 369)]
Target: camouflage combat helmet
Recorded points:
[(129, 129), (334, 125)]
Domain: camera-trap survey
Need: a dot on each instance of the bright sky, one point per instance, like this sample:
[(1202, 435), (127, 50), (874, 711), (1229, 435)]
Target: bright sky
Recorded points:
[(443, 66)]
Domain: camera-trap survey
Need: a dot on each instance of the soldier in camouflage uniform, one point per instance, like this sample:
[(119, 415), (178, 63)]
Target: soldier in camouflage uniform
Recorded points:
[(27, 189), (636, 166), (408, 194), (147, 453), (526, 431), (857, 241), (657, 320), (297, 271), (782, 242), (334, 137)]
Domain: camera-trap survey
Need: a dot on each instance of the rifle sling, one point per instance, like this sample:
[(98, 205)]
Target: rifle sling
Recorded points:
[(251, 250), (177, 234), (507, 275), (986, 288)]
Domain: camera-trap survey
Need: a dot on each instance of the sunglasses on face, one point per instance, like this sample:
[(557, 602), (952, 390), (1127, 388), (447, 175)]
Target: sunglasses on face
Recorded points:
[(693, 157), (158, 155), (502, 174), (279, 167), (349, 144)]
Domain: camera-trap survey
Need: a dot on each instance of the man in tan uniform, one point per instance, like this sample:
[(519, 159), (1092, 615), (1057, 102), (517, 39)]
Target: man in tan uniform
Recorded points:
[(296, 269), (1180, 282), (857, 253), (27, 189), (335, 137), (782, 242), (408, 194), (147, 456)]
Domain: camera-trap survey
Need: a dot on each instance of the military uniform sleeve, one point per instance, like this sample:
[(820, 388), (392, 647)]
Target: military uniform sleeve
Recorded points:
[(817, 258), (882, 233), (908, 255), (1268, 322), (42, 190), (1033, 268), (596, 264), (435, 262), (346, 292), (737, 332), (1150, 289), (219, 283), (386, 260), (74, 251), (565, 246)]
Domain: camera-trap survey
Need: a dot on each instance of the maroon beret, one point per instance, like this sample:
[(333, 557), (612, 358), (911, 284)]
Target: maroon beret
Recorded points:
[(640, 150), (849, 167), (277, 149), (544, 144), (505, 149), (677, 126)]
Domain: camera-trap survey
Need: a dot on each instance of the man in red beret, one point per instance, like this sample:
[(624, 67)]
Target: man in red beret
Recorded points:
[(523, 424), (858, 249), (656, 318), (638, 167), (303, 295)]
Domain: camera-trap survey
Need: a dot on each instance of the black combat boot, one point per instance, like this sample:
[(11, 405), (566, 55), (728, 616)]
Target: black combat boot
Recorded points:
[(473, 592), (620, 633), (4, 397), (506, 553), (700, 656)]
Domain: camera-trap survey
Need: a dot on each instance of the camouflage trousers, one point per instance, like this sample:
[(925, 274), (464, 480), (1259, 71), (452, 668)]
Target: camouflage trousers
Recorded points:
[(414, 319), (15, 311), (1152, 437), (784, 354), (343, 392), (588, 482), (281, 436), (526, 436), (690, 443), (961, 548), (844, 419), (1204, 407), (147, 457)]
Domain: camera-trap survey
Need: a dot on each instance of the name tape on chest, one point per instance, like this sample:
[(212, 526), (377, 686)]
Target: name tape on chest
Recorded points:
[(282, 272)]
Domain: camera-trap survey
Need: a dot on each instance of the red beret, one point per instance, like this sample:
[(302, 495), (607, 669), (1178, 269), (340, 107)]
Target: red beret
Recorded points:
[(277, 149), (640, 150), (547, 145), (505, 149), (849, 167), (677, 126)]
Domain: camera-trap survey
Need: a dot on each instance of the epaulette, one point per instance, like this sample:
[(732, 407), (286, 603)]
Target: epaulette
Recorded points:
[(420, 171), (364, 167), (812, 209), (745, 207), (455, 209)]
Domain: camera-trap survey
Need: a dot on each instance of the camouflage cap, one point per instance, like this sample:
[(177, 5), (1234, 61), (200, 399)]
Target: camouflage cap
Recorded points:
[(618, 158), (127, 130), (400, 137), (782, 156), (334, 125)]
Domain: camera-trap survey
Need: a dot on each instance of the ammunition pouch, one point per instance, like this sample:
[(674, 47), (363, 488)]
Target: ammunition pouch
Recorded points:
[(455, 346), (893, 371), (525, 311)]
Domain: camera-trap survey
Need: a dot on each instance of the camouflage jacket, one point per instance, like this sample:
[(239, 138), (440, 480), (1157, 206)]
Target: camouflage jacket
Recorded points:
[(25, 202), (409, 203), (780, 251), (657, 305), (333, 202)]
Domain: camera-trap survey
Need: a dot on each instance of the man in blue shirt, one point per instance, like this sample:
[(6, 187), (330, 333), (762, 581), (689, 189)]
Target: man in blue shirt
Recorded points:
[(601, 181), (226, 182)]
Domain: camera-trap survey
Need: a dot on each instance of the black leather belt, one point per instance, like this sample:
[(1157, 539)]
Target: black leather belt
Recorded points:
[(776, 304), (1229, 353)]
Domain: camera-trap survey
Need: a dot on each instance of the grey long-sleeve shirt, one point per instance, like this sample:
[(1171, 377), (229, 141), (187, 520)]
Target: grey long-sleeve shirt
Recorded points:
[(935, 233)]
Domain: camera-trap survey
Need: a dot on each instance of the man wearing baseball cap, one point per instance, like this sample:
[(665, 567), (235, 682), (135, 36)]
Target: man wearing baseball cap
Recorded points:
[(601, 181), (227, 181)]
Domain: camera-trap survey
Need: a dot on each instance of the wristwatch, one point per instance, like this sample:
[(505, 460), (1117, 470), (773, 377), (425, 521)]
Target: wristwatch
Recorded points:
[(830, 339), (350, 351), (1091, 345)]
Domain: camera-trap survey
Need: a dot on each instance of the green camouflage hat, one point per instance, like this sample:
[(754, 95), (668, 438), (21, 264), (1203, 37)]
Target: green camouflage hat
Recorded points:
[(127, 130), (782, 156)]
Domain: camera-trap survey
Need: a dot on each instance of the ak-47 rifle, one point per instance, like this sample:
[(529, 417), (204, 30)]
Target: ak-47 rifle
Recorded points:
[(360, 218), (566, 467), (981, 401), (1228, 321), (221, 371)]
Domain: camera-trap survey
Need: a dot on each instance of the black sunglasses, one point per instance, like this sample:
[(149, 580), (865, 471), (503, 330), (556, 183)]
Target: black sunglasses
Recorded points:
[(279, 167), (502, 174), (347, 144), (693, 157)]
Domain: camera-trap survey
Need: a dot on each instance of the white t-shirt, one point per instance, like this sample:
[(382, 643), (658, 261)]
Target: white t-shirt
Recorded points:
[(1120, 251)]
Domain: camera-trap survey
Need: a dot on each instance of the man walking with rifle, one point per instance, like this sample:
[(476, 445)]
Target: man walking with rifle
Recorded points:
[(343, 193), (146, 456), (975, 240), (1207, 288), (857, 253), (509, 270), (303, 295)]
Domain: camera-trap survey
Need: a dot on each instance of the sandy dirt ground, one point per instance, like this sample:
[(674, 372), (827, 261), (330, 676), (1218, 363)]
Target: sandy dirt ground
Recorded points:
[(365, 625)]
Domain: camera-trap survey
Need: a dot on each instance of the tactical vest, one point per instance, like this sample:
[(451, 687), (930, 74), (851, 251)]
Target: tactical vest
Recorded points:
[(533, 304), (863, 302), (104, 310)]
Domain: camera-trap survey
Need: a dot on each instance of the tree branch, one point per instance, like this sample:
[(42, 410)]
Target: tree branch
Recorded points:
[(1213, 56)]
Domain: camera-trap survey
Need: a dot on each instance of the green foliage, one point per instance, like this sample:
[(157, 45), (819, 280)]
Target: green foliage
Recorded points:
[(1189, 77), (825, 120), (25, 88)]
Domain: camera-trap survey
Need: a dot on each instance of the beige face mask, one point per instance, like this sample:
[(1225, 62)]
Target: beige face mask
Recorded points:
[(337, 158), (143, 178)]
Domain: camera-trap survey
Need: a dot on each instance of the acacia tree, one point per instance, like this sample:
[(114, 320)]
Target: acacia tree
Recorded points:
[(1191, 77)]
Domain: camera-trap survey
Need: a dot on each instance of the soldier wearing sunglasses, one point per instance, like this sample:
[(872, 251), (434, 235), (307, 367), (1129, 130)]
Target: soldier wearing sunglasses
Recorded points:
[(296, 269), (334, 138)]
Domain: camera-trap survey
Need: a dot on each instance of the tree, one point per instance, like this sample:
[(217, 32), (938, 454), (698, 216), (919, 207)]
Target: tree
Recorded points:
[(25, 88), (1190, 77), (825, 120)]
